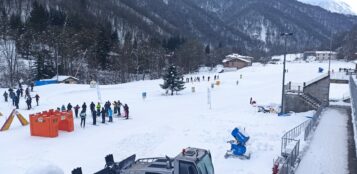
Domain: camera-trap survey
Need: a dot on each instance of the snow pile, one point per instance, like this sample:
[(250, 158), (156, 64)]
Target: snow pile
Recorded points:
[(45, 168)]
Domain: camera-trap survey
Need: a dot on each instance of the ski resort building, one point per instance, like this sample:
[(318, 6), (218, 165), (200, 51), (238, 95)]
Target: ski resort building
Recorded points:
[(237, 61), (66, 79), (321, 55)]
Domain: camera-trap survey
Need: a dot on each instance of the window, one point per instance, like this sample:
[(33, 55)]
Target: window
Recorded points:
[(187, 168)]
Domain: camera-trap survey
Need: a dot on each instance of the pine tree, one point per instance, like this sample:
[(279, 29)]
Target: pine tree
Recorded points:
[(173, 80)]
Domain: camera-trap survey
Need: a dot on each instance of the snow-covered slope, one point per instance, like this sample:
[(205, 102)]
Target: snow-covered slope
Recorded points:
[(161, 125), (338, 6)]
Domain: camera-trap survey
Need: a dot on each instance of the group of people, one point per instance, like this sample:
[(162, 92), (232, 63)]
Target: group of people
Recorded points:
[(97, 110), (15, 96), (198, 79)]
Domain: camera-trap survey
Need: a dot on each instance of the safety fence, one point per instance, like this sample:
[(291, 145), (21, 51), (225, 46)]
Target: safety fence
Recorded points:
[(290, 143), (353, 91)]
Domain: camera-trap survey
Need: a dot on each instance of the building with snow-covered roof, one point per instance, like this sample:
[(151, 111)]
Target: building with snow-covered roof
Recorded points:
[(321, 55), (66, 79), (237, 61)]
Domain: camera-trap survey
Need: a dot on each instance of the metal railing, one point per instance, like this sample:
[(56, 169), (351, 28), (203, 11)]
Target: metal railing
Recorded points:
[(291, 135), (312, 123), (289, 164), (294, 87), (353, 91)]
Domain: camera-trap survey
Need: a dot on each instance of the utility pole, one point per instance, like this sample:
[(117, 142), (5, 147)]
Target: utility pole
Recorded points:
[(282, 111)]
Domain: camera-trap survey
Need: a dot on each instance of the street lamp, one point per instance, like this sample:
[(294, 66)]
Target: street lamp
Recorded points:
[(285, 35)]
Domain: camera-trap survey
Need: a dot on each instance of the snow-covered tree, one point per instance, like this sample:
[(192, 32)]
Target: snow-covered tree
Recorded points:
[(173, 80)]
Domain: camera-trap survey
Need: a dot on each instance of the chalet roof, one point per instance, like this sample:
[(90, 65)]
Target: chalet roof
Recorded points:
[(237, 57), (63, 78)]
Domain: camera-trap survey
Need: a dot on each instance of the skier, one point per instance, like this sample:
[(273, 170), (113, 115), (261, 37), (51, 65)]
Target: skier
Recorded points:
[(83, 118), (94, 117), (5, 96), (69, 107), (22, 92), (251, 99), (27, 92), (115, 104), (203, 78), (32, 85), (119, 105), (28, 102), (37, 97), (63, 108), (76, 109), (103, 115), (16, 100), (18, 92), (208, 78), (98, 109), (110, 115), (237, 82), (84, 107), (92, 106), (126, 110)]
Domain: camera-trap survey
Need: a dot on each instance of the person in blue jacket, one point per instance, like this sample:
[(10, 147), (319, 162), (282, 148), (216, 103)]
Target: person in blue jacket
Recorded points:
[(110, 114)]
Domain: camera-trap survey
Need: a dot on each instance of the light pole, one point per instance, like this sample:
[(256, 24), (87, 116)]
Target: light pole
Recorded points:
[(282, 111)]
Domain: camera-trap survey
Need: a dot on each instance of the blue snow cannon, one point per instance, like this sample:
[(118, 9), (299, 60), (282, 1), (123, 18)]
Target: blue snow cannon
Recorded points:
[(241, 139), (321, 70), (238, 149)]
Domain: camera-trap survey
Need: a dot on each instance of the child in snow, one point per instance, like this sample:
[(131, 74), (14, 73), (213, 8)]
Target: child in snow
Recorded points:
[(103, 115), (76, 109), (37, 97), (110, 114), (5, 96), (83, 116), (126, 110)]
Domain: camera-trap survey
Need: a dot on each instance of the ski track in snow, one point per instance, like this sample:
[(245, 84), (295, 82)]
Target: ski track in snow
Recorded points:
[(162, 125)]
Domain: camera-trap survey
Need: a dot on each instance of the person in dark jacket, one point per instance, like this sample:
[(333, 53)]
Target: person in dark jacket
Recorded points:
[(16, 100), (28, 102), (76, 109), (83, 116), (94, 117), (69, 107), (126, 110), (37, 97), (32, 85), (103, 115), (92, 106), (18, 92), (84, 107), (119, 105), (5, 96)]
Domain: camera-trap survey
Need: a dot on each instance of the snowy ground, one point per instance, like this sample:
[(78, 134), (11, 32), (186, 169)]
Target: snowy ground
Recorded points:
[(162, 125), (328, 150)]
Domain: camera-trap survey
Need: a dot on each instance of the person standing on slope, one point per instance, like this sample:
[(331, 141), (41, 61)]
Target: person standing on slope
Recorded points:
[(76, 109), (94, 117), (83, 116), (103, 115), (92, 107), (69, 107), (98, 109), (110, 114), (126, 110), (37, 97), (5, 96)]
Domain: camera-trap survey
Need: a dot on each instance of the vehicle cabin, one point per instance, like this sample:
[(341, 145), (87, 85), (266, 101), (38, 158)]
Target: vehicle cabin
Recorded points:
[(237, 61)]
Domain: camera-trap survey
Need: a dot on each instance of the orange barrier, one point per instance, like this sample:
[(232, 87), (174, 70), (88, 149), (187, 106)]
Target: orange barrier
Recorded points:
[(66, 122), (47, 123)]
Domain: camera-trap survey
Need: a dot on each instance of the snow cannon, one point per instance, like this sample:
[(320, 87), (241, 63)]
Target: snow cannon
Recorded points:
[(238, 148), (240, 138)]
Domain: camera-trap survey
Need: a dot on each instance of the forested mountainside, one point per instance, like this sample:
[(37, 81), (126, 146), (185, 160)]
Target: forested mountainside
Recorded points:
[(127, 38)]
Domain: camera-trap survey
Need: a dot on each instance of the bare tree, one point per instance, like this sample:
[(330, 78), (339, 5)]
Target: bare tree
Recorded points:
[(8, 52)]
